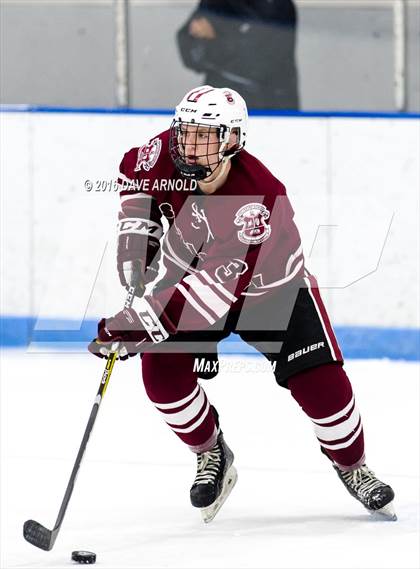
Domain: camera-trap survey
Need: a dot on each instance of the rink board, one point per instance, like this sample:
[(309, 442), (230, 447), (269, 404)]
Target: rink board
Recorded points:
[(356, 342), (352, 178)]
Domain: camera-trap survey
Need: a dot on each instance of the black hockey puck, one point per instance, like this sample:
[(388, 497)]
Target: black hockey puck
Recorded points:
[(87, 557)]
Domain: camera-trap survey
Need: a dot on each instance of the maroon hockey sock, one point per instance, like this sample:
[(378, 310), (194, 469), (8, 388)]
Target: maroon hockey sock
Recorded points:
[(171, 385), (326, 396)]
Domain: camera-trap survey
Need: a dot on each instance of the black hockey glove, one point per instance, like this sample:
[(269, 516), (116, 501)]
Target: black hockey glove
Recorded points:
[(137, 254)]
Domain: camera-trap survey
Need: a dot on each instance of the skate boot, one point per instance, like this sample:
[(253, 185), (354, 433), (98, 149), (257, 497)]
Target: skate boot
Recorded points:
[(363, 485), (216, 476)]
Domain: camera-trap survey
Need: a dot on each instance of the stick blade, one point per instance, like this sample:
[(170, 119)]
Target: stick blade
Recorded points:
[(38, 535)]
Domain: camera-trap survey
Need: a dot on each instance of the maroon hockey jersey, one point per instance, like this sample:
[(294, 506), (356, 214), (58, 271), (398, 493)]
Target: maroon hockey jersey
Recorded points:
[(223, 252)]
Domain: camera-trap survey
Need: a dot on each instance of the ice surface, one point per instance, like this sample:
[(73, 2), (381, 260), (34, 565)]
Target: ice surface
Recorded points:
[(131, 501)]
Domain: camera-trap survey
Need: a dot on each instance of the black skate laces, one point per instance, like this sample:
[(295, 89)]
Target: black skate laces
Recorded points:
[(363, 481), (208, 465)]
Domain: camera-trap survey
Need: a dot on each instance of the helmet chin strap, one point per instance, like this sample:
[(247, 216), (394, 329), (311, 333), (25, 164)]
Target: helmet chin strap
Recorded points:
[(223, 165)]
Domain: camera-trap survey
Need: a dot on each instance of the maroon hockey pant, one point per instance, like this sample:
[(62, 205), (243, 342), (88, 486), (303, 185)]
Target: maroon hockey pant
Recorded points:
[(324, 393)]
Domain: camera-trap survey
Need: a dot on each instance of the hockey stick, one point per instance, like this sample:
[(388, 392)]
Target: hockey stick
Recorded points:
[(34, 532)]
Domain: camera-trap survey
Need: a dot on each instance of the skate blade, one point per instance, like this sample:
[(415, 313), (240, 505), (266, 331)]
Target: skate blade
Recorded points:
[(387, 513), (208, 514)]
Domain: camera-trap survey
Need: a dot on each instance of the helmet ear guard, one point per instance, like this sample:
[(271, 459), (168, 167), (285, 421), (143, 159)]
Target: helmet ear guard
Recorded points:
[(236, 147)]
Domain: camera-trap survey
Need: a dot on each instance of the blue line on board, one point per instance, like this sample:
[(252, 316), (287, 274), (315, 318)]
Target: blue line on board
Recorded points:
[(252, 112), (359, 342)]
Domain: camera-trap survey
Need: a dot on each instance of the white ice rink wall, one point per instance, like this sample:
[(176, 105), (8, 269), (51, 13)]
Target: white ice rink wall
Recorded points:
[(353, 181)]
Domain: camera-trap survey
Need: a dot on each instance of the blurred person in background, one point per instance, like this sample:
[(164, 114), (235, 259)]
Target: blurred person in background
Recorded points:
[(248, 44)]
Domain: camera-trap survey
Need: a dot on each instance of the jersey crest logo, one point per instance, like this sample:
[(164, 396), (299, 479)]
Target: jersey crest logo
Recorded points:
[(148, 155), (253, 219)]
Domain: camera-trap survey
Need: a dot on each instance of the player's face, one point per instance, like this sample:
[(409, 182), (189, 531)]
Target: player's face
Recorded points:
[(199, 145)]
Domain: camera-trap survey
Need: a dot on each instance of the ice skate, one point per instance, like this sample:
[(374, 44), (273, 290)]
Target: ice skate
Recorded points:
[(216, 476), (376, 496)]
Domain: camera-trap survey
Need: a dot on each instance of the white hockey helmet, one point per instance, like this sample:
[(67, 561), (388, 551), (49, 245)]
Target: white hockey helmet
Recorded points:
[(212, 108)]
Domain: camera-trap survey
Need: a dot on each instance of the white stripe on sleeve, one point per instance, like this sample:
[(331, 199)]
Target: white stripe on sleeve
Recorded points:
[(208, 296), (195, 304), (219, 286)]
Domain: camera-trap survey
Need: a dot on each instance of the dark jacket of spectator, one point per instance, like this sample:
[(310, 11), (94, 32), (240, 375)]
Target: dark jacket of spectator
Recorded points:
[(248, 45)]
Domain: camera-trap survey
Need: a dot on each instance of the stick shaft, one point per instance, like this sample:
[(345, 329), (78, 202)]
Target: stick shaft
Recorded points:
[(91, 422), (106, 376)]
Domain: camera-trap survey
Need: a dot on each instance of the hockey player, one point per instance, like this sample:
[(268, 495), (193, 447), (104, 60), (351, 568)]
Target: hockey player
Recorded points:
[(232, 261)]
